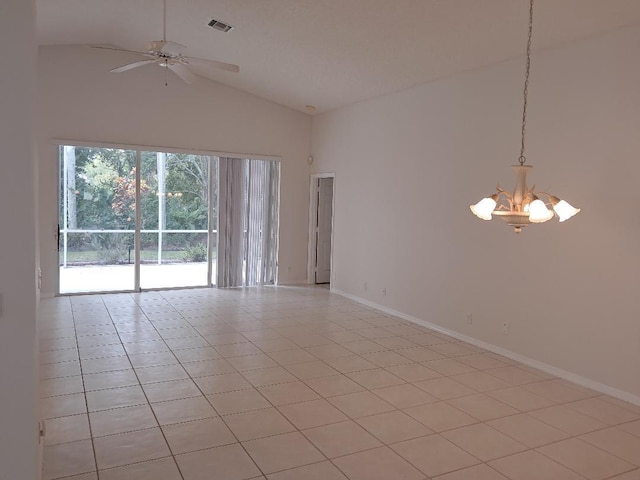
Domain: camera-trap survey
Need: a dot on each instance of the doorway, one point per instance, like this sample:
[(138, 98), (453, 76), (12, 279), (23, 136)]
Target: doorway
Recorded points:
[(321, 228)]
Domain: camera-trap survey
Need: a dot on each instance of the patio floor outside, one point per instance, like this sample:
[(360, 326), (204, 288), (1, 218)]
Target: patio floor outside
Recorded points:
[(110, 278)]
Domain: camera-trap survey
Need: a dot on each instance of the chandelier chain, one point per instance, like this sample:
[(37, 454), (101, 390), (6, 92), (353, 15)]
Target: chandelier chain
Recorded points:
[(525, 92), (523, 206)]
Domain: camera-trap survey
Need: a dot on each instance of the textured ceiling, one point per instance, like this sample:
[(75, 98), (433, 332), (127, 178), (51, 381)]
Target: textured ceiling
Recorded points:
[(330, 53)]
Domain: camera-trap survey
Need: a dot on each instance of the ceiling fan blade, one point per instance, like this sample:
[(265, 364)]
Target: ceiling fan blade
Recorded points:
[(117, 49), (229, 67), (182, 71), (130, 66)]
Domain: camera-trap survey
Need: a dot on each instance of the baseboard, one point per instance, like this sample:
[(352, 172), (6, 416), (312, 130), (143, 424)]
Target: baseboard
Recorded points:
[(293, 283), (545, 367)]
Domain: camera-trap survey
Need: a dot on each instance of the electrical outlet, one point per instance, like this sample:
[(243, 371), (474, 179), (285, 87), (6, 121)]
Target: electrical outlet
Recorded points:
[(365, 286), (505, 328), (384, 291), (470, 319)]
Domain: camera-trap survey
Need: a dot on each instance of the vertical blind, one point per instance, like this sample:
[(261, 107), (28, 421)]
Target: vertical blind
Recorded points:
[(248, 204), (262, 222)]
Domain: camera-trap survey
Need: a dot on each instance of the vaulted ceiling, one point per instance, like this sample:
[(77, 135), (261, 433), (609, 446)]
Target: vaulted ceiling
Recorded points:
[(330, 53)]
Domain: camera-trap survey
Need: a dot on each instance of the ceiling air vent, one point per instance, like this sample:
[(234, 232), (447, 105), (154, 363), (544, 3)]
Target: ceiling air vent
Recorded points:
[(220, 26)]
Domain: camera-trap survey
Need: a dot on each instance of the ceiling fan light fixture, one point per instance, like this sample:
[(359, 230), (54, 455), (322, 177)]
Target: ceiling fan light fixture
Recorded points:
[(170, 55)]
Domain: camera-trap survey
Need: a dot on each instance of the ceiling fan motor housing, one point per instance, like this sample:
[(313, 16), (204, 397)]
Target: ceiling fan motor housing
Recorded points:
[(166, 48)]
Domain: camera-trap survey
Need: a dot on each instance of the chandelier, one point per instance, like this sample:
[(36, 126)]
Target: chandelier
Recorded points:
[(524, 205)]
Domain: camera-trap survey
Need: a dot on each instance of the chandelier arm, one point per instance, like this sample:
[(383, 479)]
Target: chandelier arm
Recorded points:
[(522, 159), (506, 194), (548, 202), (528, 198)]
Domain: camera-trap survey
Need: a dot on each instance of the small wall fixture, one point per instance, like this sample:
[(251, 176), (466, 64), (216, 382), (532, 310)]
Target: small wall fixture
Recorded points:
[(523, 206)]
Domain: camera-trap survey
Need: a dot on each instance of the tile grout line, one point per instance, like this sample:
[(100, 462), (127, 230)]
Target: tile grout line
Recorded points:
[(143, 392), (86, 402)]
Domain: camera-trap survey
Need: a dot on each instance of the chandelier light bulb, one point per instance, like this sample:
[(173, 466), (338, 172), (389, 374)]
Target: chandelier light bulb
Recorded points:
[(564, 209), (538, 212), (484, 208)]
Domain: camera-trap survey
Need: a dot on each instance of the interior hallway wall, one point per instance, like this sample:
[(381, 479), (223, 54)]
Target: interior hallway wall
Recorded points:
[(19, 449)]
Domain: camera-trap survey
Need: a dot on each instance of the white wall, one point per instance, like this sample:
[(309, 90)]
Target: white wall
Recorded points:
[(18, 379), (408, 165), (80, 100)]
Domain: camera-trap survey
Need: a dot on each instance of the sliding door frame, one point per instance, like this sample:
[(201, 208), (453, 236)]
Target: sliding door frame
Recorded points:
[(138, 216), (137, 236)]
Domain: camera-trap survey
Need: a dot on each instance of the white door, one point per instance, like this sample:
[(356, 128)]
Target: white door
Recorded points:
[(323, 230)]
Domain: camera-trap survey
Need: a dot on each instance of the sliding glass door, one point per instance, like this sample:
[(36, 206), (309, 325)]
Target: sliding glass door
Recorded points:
[(175, 208), (133, 220), (97, 219)]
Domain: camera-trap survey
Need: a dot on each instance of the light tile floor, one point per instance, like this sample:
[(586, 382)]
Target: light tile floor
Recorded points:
[(298, 383)]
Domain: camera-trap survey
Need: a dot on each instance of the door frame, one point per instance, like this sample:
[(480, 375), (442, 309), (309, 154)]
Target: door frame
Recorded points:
[(313, 219), (137, 229)]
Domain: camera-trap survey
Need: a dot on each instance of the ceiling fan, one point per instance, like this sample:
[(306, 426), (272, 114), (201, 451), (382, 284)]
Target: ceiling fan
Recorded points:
[(169, 55)]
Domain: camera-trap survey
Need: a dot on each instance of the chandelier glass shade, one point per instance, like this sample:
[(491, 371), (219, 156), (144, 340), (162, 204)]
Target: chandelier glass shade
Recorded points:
[(523, 206)]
